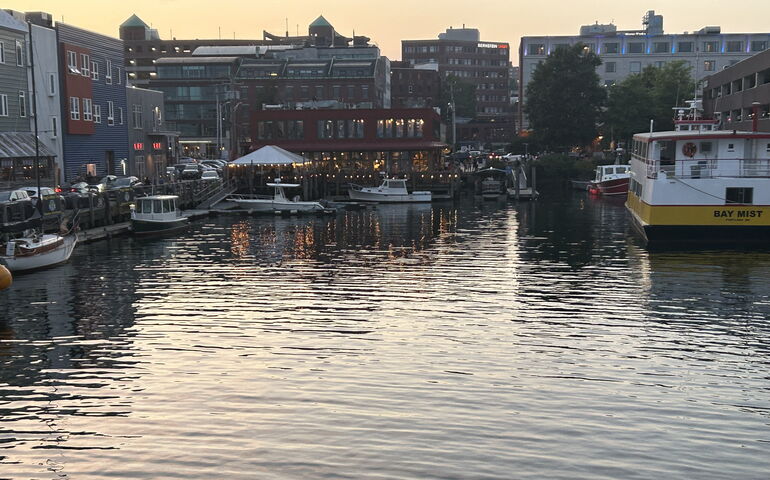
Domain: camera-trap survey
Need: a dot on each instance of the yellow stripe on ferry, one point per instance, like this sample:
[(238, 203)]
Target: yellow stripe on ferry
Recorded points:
[(692, 215)]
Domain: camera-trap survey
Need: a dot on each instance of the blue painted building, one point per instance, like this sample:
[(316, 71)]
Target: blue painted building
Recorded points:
[(94, 108)]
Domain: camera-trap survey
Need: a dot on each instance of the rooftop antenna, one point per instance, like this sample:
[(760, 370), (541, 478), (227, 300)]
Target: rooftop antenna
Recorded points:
[(220, 32), (287, 27)]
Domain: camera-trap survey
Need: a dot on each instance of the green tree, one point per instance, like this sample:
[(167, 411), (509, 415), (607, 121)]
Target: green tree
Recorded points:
[(649, 95), (464, 96), (564, 98)]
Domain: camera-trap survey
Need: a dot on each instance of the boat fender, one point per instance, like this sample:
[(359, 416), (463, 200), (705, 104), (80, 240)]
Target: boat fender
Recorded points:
[(5, 278)]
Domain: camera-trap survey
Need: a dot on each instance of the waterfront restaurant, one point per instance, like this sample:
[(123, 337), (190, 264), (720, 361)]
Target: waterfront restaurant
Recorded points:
[(357, 144)]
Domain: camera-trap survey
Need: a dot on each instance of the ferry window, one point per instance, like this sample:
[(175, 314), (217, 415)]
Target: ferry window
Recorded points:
[(730, 147), (739, 195), (768, 147), (156, 204), (684, 127), (167, 206), (705, 147), (667, 152)]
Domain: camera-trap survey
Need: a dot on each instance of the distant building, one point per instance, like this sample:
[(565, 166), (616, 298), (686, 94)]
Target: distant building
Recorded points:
[(628, 52), (93, 95), (143, 47), (415, 86), (152, 147), (461, 53), (736, 93)]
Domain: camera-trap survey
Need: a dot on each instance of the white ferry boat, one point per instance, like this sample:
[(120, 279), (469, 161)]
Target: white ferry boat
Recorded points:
[(278, 202), (699, 185), (157, 214)]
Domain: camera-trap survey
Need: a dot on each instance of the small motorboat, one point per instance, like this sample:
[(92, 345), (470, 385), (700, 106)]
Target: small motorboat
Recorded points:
[(157, 214), (610, 180), (392, 190), (37, 251), (278, 202), (491, 189)]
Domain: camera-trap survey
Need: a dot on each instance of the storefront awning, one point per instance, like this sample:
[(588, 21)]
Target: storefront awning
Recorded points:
[(21, 145)]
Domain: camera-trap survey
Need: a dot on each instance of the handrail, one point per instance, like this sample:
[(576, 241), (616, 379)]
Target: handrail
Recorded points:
[(709, 168)]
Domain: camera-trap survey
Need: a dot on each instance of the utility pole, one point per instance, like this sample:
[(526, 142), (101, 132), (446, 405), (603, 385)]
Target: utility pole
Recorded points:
[(454, 124)]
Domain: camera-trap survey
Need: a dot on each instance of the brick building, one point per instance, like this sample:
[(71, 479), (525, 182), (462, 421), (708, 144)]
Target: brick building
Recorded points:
[(737, 92), (414, 86)]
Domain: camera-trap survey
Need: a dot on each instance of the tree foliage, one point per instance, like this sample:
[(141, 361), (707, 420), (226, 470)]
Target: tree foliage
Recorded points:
[(464, 96), (564, 98), (649, 95)]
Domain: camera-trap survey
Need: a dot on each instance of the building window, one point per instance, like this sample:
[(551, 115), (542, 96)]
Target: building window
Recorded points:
[(51, 84), (609, 67), (2, 52), (660, 47), (136, 111), (684, 47), (536, 49), (22, 103), (74, 108), (660, 64), (54, 127), (739, 195), (87, 110), (3, 105), (758, 45), (319, 92), (72, 62), (365, 92), (636, 47), (19, 54), (120, 80), (108, 73), (85, 65), (110, 114), (734, 46), (635, 67), (94, 71), (97, 113), (120, 115), (610, 48), (709, 65), (711, 47)]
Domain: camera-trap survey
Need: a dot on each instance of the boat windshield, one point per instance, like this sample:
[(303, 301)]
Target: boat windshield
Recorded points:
[(396, 184)]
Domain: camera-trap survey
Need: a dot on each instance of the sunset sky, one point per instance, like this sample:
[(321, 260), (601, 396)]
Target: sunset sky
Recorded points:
[(387, 23)]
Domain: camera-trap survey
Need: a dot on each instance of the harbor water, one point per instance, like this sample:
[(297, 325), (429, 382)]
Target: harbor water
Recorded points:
[(465, 340)]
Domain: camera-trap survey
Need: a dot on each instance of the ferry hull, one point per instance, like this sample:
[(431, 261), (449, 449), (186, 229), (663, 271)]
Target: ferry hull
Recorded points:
[(704, 225)]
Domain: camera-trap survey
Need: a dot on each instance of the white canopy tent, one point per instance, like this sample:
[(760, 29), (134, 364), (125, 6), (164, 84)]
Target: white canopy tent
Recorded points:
[(270, 155)]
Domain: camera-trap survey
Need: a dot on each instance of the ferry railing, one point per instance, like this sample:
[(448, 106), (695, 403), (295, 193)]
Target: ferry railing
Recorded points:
[(709, 168)]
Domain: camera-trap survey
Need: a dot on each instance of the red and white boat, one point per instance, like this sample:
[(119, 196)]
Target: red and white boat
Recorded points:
[(38, 251), (610, 180)]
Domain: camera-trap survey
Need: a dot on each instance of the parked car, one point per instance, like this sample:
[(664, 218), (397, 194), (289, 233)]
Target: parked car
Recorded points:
[(76, 195), (190, 172), (187, 160), (123, 182), (213, 164), (210, 175), (14, 196), (45, 191)]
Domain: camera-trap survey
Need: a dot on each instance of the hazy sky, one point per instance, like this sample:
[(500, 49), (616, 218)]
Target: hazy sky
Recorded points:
[(388, 22)]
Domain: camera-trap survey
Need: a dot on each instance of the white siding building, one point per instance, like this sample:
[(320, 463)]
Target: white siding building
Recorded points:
[(624, 53)]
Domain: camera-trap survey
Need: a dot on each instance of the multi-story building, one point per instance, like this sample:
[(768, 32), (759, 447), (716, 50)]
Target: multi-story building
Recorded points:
[(625, 53), (152, 146), (143, 46), (93, 94), (460, 53), (18, 149), (201, 90), (399, 141), (414, 86), (740, 95)]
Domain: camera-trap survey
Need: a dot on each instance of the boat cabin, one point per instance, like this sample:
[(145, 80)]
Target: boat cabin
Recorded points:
[(157, 207), (703, 154), (611, 172)]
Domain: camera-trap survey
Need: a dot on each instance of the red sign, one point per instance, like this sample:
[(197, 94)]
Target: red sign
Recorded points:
[(157, 145), (138, 146)]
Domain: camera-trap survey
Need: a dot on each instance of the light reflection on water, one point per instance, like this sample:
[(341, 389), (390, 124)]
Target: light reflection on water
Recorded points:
[(449, 341)]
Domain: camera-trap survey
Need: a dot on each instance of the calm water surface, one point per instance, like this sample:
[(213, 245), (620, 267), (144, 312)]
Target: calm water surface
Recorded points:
[(452, 341)]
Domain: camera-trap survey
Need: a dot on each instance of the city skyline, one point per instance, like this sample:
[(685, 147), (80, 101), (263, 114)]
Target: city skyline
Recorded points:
[(497, 20)]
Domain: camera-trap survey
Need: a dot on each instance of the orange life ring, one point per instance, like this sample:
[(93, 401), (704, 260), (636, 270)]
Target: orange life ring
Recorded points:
[(689, 149)]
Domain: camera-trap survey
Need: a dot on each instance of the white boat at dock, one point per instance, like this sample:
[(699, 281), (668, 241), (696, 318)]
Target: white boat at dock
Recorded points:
[(157, 214), (37, 251), (278, 202), (392, 190)]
